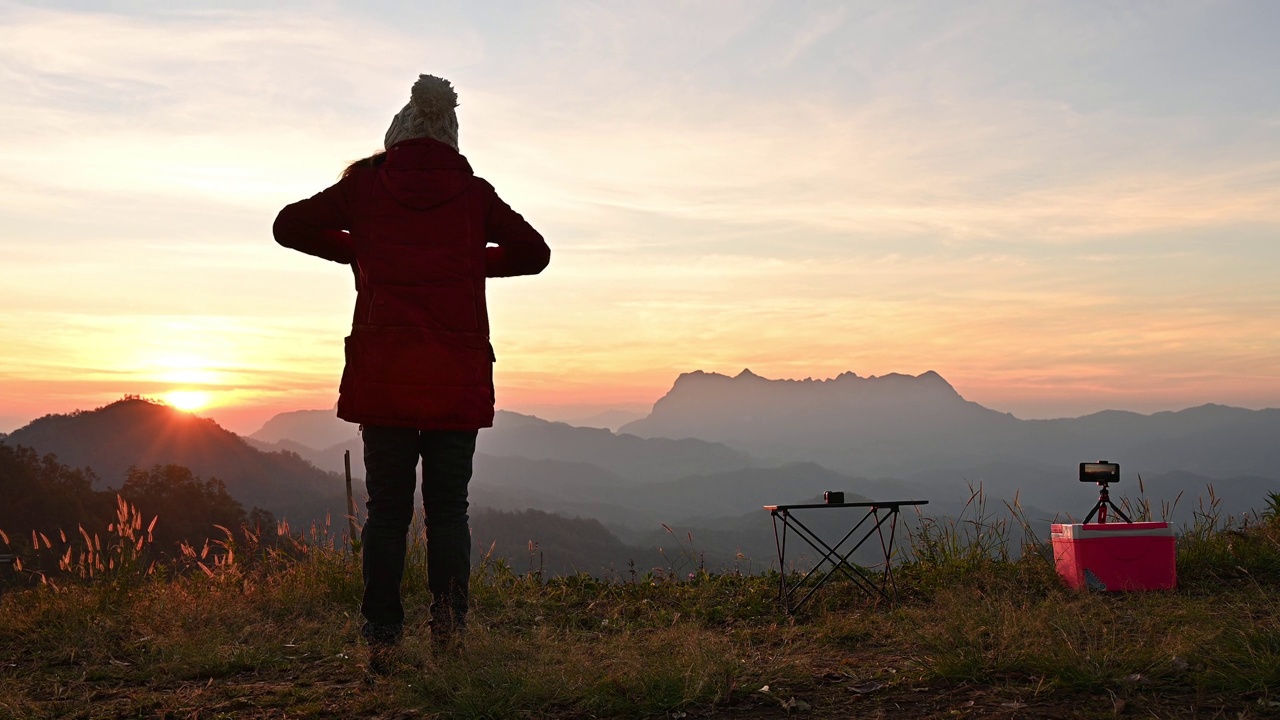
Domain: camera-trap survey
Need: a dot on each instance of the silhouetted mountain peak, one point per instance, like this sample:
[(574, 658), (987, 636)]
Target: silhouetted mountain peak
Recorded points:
[(697, 376), (928, 378), (316, 429), (698, 388), (512, 419), (786, 418), (933, 377), (128, 412)]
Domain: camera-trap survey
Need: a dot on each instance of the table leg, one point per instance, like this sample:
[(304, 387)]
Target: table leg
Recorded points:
[(781, 544)]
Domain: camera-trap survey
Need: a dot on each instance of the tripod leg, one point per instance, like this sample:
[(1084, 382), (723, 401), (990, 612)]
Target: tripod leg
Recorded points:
[(1119, 512)]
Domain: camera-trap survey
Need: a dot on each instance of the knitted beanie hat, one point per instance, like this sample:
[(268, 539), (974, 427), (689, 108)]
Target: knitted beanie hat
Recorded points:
[(429, 114)]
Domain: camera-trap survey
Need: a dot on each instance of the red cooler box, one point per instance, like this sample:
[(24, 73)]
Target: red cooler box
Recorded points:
[(1115, 556)]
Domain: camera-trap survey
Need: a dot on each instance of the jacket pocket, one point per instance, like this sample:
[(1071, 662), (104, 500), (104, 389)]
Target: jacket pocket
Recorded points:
[(493, 391)]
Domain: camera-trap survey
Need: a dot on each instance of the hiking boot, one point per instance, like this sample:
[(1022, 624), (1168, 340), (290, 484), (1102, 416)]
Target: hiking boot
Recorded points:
[(383, 659), (447, 636), (384, 644)]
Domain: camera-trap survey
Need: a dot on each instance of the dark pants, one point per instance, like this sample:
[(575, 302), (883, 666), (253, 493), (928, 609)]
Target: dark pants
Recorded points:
[(391, 464)]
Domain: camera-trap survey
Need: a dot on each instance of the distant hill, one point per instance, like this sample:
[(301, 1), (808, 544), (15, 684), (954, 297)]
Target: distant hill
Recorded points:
[(733, 493), (636, 509), (563, 488), (746, 542), (557, 544), (314, 429), (516, 435), (634, 457), (608, 419), (1211, 440), (532, 540), (138, 433), (1180, 496)]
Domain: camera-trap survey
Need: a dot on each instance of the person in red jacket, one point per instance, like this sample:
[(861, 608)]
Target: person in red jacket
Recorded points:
[(421, 233)]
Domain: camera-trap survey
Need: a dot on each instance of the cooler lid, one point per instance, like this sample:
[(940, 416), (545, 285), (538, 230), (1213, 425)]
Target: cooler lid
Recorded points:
[(1080, 531)]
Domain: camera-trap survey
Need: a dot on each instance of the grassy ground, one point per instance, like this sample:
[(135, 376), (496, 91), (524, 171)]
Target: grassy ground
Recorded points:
[(273, 632)]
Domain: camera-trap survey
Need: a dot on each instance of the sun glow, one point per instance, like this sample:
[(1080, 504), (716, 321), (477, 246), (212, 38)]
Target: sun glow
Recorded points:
[(184, 369), (187, 400)]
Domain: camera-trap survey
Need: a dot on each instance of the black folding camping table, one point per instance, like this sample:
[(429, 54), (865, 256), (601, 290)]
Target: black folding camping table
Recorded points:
[(876, 514)]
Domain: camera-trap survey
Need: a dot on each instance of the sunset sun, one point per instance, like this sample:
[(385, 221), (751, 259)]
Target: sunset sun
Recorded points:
[(187, 400)]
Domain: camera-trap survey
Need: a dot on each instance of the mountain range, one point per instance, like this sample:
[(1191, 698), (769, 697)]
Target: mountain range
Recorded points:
[(902, 425), (919, 429), (915, 433), (712, 452)]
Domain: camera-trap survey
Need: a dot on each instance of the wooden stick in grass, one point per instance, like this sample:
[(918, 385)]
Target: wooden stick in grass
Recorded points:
[(351, 503)]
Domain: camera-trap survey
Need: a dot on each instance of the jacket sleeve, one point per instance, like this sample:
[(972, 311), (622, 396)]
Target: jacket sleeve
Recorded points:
[(520, 249), (320, 224)]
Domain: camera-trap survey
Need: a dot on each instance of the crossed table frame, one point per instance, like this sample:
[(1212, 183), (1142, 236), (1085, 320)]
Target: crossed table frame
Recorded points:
[(878, 514)]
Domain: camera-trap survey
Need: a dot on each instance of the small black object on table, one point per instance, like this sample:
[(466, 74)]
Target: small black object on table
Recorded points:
[(878, 514)]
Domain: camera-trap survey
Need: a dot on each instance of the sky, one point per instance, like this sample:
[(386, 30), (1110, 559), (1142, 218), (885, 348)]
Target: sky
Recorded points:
[(1061, 207)]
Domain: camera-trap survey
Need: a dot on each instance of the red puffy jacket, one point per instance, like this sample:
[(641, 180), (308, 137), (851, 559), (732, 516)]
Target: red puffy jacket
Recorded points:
[(416, 227)]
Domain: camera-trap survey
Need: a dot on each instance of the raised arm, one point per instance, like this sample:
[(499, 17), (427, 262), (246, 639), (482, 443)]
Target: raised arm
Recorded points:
[(318, 225), (520, 249)]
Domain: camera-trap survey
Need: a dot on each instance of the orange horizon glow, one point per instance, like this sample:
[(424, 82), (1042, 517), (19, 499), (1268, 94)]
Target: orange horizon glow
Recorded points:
[(1025, 395)]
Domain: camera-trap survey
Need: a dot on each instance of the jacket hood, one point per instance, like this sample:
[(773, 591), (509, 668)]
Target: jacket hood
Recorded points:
[(424, 173)]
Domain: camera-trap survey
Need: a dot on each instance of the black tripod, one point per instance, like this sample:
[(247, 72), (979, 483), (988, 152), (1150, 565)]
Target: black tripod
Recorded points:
[(1104, 502)]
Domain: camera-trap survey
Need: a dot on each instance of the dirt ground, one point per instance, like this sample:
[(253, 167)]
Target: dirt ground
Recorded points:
[(342, 687)]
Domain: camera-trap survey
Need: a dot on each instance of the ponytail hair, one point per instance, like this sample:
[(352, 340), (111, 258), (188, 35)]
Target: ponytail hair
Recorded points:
[(373, 160)]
